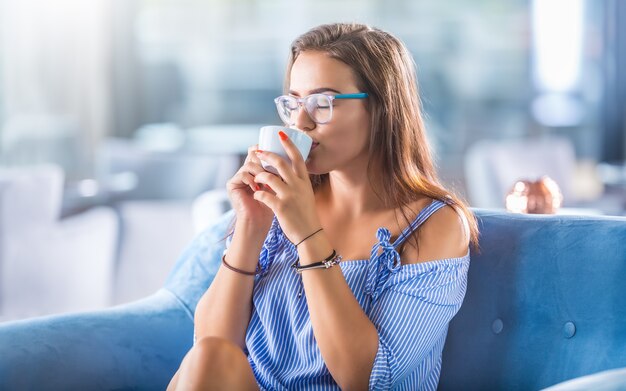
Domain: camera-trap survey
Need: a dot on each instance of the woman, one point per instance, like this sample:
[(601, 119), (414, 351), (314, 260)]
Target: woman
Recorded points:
[(388, 244)]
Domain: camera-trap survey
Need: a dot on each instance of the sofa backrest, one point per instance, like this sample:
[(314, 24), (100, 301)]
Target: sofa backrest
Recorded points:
[(546, 302)]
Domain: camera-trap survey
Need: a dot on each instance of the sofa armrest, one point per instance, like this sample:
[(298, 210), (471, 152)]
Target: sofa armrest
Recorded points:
[(134, 346)]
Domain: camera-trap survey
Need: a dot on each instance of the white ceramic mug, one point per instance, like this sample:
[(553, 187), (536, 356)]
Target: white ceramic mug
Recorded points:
[(269, 140)]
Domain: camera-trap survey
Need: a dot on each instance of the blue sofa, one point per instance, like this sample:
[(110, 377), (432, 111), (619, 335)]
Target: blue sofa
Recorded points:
[(546, 302)]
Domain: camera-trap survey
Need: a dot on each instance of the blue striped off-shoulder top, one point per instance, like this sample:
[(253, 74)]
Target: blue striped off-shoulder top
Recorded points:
[(410, 306)]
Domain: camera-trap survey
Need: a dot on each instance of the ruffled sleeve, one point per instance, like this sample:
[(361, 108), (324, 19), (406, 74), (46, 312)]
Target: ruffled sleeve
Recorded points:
[(270, 247), (414, 306)]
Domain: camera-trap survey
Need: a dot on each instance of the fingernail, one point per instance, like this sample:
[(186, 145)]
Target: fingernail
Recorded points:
[(283, 135), (257, 187), (258, 151)]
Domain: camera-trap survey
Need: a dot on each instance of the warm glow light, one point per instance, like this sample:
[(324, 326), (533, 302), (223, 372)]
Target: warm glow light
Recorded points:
[(557, 196), (517, 201)]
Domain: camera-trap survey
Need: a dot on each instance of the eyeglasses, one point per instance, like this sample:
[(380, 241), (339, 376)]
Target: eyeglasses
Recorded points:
[(318, 106)]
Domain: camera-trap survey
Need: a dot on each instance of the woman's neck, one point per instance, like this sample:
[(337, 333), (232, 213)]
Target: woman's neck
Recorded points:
[(349, 196)]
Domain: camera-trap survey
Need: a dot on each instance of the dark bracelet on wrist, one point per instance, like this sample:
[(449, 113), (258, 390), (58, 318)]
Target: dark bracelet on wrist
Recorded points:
[(308, 237), (236, 270), (330, 261)]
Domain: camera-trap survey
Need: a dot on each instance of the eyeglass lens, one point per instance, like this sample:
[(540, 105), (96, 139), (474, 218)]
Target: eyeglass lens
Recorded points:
[(318, 106)]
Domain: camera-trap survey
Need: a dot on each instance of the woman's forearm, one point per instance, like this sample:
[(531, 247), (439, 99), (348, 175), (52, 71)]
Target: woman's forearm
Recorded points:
[(346, 337), (225, 308)]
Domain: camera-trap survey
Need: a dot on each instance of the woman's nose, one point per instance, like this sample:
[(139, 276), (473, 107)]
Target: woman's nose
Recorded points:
[(303, 120)]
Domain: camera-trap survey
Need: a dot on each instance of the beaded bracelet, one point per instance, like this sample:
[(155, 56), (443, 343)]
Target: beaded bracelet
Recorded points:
[(330, 261)]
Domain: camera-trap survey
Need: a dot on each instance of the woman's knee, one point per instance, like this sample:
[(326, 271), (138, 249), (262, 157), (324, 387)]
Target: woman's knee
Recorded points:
[(216, 364), (219, 354)]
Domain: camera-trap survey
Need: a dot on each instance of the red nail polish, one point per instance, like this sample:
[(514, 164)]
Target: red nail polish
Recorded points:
[(258, 151), (283, 135)]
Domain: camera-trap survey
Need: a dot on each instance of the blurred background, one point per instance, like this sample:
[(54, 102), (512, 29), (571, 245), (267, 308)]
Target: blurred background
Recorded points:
[(121, 120)]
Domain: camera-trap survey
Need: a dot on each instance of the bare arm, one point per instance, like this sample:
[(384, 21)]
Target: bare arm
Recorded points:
[(346, 337), (224, 309)]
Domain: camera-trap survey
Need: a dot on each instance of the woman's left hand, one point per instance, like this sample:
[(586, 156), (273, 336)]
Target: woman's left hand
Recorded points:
[(293, 201)]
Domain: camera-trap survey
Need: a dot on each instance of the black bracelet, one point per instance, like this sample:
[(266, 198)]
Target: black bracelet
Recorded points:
[(330, 261), (308, 236)]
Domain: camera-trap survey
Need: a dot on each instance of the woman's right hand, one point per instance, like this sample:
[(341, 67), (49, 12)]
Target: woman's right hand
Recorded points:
[(241, 188)]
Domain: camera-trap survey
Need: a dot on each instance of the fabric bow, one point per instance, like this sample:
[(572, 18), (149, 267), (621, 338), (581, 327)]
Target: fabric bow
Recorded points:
[(384, 262), (270, 247)]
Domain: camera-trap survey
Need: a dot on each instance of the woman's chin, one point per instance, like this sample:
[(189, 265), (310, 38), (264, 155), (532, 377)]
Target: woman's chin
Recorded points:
[(312, 169)]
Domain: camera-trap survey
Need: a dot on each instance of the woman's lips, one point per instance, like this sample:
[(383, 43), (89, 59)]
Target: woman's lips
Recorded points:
[(314, 145)]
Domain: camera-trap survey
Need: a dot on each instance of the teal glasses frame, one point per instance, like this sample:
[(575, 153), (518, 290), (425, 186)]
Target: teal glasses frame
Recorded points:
[(319, 107)]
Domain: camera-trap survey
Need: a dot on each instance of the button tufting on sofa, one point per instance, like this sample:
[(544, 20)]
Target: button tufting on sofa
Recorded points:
[(497, 326), (569, 329)]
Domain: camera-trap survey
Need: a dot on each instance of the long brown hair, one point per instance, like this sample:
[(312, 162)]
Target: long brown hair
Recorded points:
[(400, 166)]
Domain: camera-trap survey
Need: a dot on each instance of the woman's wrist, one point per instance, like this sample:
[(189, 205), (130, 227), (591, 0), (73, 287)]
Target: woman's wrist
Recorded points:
[(247, 242), (252, 230), (309, 236), (314, 249)]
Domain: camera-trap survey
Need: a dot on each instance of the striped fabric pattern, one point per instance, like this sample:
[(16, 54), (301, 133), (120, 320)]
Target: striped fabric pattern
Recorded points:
[(410, 306)]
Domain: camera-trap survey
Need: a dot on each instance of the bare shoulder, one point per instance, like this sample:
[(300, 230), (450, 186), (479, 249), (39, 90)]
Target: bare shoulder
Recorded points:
[(445, 234)]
